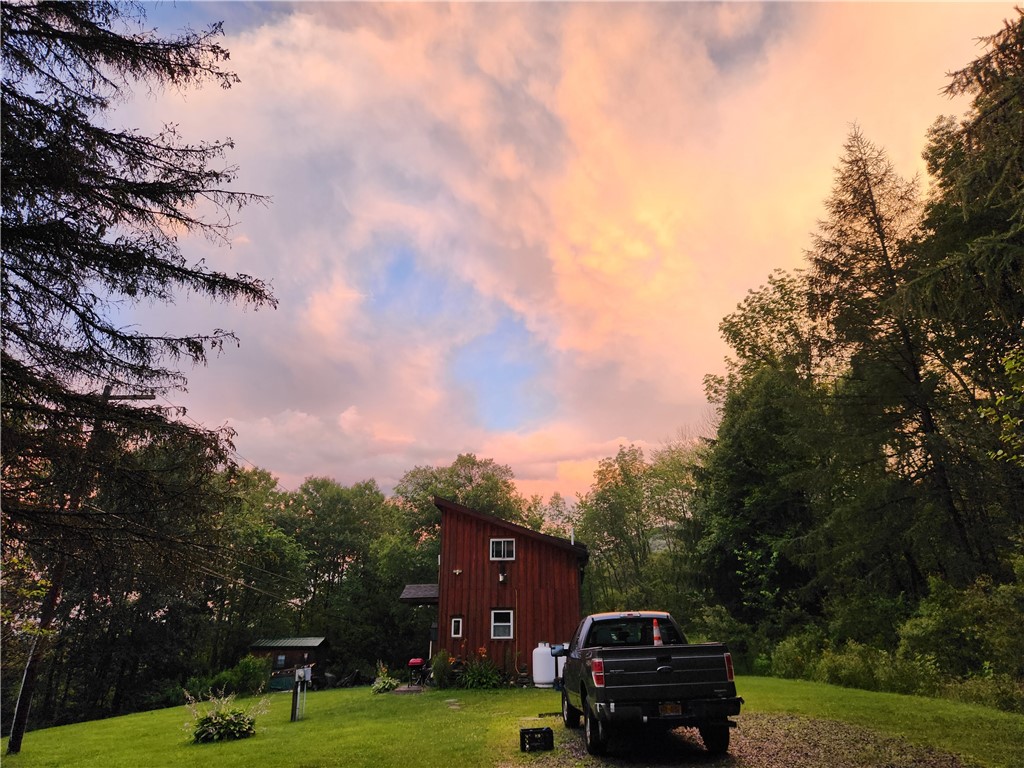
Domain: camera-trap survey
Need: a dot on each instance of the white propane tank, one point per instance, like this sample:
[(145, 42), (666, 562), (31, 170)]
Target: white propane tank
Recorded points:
[(543, 666)]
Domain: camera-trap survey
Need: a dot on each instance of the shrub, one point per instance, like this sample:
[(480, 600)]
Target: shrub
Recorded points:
[(199, 686), (797, 656), (914, 674), (481, 672), (870, 619), (967, 629), (872, 669), (224, 681), (219, 719), (943, 627), (383, 682), (250, 675), (223, 726), (762, 665), (441, 669), (991, 690), (852, 666), (160, 694)]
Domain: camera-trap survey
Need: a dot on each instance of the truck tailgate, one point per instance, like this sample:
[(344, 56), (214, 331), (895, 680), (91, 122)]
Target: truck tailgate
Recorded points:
[(666, 673)]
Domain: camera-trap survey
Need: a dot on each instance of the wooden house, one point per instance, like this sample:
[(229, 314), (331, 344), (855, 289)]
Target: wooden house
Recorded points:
[(502, 588)]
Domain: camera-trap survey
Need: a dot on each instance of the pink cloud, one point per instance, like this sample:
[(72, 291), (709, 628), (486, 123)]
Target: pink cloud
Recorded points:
[(615, 175)]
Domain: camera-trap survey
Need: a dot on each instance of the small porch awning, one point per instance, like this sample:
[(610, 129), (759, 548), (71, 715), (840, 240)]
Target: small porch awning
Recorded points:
[(419, 594)]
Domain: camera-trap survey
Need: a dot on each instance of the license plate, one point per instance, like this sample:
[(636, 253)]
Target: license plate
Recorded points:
[(669, 709)]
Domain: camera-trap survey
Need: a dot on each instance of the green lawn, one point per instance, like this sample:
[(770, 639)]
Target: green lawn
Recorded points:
[(449, 729), (988, 736)]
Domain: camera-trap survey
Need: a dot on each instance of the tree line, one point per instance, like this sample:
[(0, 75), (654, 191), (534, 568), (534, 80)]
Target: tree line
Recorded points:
[(858, 515), (141, 617)]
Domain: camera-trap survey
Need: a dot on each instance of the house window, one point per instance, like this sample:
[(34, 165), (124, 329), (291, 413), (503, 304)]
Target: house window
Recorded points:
[(503, 549), (279, 661), (501, 625), (456, 626)]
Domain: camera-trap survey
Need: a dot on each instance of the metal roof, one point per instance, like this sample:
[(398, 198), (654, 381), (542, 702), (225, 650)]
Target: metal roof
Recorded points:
[(289, 642)]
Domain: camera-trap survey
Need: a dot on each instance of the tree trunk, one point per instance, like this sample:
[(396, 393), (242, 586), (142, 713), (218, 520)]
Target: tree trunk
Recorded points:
[(35, 658)]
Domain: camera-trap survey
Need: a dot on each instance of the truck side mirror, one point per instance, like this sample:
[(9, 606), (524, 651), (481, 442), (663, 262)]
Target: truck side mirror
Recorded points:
[(559, 650)]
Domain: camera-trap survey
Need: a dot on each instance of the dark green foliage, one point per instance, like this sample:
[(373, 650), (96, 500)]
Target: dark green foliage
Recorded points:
[(480, 672), (797, 655), (754, 500), (988, 689), (86, 209), (632, 522), (1007, 412), (859, 513), (854, 665), (964, 644), (223, 726), (972, 629), (91, 216), (618, 525), (441, 669), (481, 484), (248, 677)]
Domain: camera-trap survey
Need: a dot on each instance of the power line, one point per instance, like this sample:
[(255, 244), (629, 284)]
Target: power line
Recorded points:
[(183, 412)]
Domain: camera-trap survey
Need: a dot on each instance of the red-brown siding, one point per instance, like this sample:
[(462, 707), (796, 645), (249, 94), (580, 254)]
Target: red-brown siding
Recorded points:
[(541, 587)]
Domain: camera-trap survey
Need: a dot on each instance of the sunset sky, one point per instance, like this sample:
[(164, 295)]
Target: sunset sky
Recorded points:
[(512, 229)]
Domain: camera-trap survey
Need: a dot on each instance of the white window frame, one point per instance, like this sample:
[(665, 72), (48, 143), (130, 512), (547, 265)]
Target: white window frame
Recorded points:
[(511, 623), (456, 626), (506, 545)]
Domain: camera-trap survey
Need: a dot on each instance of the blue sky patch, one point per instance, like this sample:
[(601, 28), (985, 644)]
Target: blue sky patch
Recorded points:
[(503, 369)]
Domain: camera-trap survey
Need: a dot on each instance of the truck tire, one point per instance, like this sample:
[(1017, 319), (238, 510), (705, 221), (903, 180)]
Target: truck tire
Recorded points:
[(570, 715), (715, 738), (595, 733)]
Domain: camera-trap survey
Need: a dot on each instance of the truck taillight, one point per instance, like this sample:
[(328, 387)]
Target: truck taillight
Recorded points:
[(597, 670), (728, 667)]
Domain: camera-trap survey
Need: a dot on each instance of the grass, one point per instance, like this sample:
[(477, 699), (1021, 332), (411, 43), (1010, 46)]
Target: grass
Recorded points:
[(449, 729), (350, 727), (987, 736)]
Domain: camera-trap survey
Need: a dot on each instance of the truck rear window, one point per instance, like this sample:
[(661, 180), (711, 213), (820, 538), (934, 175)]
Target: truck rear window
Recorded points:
[(631, 631)]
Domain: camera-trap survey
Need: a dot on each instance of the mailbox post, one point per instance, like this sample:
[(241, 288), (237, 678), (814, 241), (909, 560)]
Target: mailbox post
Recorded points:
[(303, 676)]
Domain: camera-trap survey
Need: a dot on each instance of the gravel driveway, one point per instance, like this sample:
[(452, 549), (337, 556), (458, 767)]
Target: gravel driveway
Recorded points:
[(760, 741)]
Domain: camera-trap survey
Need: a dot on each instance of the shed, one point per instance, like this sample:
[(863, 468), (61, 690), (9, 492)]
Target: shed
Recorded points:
[(291, 652)]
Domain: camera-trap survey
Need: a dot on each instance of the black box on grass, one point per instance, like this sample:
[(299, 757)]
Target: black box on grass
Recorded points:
[(536, 739)]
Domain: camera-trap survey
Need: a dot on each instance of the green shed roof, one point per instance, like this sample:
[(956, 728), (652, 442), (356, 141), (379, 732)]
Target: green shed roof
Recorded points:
[(289, 642)]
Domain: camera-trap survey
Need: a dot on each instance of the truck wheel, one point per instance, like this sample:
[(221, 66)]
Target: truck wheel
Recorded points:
[(716, 738), (570, 715), (595, 733)]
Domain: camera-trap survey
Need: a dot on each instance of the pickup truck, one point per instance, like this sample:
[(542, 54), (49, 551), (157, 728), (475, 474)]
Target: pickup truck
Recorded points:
[(636, 668)]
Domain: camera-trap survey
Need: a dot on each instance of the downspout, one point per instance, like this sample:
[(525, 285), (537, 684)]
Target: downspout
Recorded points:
[(516, 631)]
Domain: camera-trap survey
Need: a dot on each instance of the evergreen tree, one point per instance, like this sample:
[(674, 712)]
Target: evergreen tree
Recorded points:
[(91, 217)]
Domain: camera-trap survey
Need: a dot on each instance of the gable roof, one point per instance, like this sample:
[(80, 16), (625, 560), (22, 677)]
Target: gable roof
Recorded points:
[(578, 549)]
